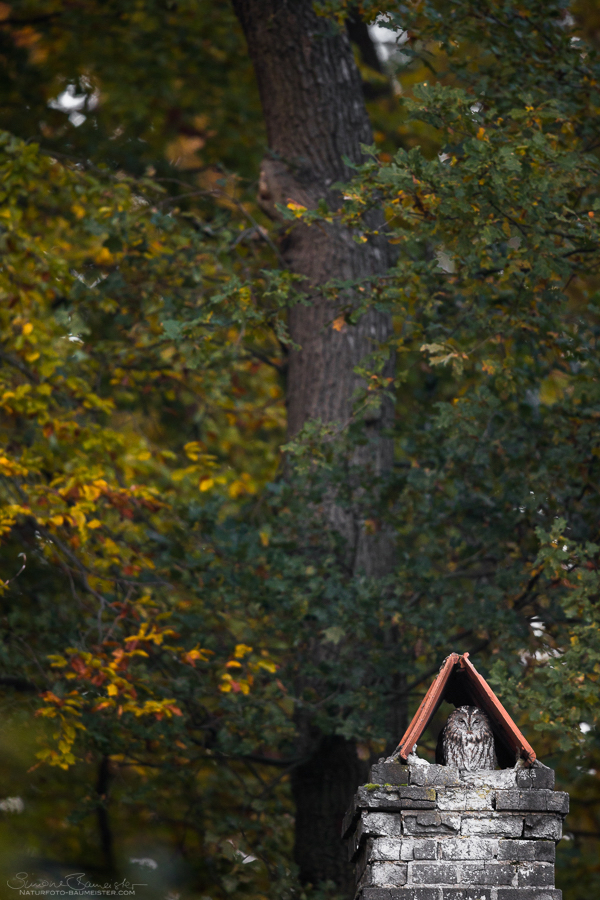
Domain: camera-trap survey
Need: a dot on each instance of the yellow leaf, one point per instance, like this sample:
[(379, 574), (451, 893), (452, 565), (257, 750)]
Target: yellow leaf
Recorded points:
[(481, 134), (57, 520), (27, 328), (242, 650), (104, 257), (206, 484), (95, 523), (267, 665), (233, 664), (339, 324), (554, 387), (57, 661), (193, 450), (112, 690), (90, 492), (77, 517)]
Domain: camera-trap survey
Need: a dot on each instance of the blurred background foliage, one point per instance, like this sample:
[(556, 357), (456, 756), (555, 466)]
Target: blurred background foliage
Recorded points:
[(175, 587)]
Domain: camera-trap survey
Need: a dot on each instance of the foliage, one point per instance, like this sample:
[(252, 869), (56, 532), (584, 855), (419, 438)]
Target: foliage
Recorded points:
[(181, 603), (132, 85)]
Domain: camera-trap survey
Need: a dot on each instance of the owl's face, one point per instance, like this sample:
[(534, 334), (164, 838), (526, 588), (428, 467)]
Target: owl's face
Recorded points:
[(467, 741), (471, 721)]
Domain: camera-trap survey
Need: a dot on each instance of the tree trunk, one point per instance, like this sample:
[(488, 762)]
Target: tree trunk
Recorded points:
[(315, 115)]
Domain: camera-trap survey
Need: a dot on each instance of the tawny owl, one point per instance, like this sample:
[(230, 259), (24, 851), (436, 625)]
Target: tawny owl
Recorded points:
[(467, 740)]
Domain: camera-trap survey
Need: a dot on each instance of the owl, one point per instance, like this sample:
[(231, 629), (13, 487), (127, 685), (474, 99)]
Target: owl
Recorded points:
[(467, 740)]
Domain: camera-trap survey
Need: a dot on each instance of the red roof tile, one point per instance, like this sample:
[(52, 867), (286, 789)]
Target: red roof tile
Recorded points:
[(460, 683)]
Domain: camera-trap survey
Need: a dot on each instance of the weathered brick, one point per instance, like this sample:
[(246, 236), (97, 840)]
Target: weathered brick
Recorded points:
[(522, 851), (349, 821), (543, 826), (516, 850), (381, 824), (434, 776), (466, 893), (431, 823), (537, 777), (417, 893), (538, 800), (425, 849), (465, 798), (545, 851), (558, 801), (362, 858), (489, 873), (528, 894), (469, 848), (394, 797), (418, 848), (407, 851), (353, 842), (472, 873), (536, 874), (389, 773), (405, 893), (501, 779), (374, 893), (433, 873), (386, 848), (492, 824), (388, 874), (522, 800)]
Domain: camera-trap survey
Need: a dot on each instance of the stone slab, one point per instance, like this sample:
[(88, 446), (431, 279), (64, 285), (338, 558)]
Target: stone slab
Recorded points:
[(389, 773), (536, 874), (540, 800), (433, 873), (434, 775), (418, 848), (528, 894), (407, 893), (431, 822), (467, 893), (503, 779), (387, 874), (538, 777), (493, 874), (524, 850), (464, 848), (548, 827), (385, 848), (492, 825), (373, 796), (381, 824), (349, 821), (466, 798)]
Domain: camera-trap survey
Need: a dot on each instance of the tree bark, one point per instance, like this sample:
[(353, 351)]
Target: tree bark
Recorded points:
[(315, 116)]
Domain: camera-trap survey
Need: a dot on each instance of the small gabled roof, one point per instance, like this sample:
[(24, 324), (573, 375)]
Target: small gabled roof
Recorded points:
[(460, 683)]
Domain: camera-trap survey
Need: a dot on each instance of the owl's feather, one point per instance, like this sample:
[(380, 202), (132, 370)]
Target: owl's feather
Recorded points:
[(467, 740)]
